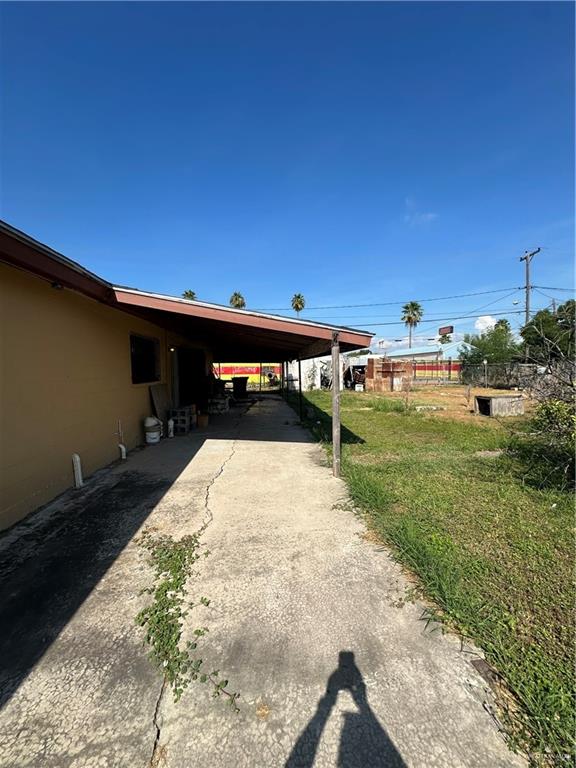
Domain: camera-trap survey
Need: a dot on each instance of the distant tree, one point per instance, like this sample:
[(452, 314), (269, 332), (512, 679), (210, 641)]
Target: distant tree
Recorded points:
[(298, 303), (411, 315), (190, 295), (496, 345), (445, 338), (237, 300), (550, 336)]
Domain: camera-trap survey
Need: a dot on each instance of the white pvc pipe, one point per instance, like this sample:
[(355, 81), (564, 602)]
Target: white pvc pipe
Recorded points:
[(77, 466), (121, 445)]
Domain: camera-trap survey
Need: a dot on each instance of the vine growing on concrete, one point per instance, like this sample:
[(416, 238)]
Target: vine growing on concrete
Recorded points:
[(173, 562)]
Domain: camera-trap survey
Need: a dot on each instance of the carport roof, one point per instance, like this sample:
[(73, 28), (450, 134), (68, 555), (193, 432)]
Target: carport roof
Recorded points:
[(228, 332), (239, 333)]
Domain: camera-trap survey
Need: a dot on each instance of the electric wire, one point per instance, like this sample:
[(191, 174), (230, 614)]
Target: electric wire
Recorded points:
[(552, 288), (457, 317), (392, 303)]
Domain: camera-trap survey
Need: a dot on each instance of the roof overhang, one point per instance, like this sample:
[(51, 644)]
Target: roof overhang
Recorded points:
[(241, 334), (229, 333), (23, 252)]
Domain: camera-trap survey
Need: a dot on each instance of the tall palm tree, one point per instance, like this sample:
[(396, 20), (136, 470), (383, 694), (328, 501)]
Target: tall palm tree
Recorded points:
[(190, 295), (298, 303), (237, 300), (411, 315)]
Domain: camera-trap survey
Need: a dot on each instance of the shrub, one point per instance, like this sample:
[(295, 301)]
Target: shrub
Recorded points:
[(547, 448)]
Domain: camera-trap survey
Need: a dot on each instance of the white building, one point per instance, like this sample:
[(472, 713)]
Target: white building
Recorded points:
[(316, 368), (434, 352)]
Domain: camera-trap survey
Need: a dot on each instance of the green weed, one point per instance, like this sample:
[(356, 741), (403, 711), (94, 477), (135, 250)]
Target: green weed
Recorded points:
[(162, 619)]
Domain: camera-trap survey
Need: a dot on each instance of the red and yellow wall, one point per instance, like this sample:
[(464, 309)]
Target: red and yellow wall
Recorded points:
[(252, 370)]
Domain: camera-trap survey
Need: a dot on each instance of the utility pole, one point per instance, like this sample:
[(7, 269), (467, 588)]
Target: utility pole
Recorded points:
[(527, 258)]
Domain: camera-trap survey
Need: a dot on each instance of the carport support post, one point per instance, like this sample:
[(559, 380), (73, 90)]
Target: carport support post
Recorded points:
[(335, 405), (300, 387)]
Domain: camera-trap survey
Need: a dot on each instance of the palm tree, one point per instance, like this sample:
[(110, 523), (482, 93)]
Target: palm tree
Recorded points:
[(298, 303), (411, 316), (190, 295), (237, 300)]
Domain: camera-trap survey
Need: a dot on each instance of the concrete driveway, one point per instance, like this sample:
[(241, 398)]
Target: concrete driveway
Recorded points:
[(307, 620)]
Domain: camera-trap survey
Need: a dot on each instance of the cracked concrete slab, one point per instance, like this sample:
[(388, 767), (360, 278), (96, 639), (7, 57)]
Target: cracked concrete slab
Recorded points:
[(307, 621)]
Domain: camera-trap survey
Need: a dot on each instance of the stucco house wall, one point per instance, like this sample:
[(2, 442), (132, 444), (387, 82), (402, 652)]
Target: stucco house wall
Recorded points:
[(65, 382)]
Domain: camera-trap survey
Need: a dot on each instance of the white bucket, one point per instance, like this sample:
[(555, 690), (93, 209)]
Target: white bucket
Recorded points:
[(152, 429)]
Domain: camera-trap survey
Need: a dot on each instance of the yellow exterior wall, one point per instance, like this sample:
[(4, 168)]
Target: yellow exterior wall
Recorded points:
[(65, 380)]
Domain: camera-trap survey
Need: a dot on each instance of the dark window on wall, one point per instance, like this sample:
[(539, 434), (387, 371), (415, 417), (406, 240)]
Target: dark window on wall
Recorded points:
[(145, 359)]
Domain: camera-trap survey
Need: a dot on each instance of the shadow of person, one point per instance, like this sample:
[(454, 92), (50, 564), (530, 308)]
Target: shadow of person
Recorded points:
[(363, 741)]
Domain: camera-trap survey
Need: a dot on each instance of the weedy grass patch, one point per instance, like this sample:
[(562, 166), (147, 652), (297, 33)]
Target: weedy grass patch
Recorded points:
[(173, 562), (493, 552)]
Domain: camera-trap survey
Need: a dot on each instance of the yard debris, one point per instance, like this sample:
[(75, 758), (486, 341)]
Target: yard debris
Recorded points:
[(430, 408), (262, 711)]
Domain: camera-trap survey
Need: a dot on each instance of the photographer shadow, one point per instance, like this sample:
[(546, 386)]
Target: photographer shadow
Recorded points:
[(363, 741)]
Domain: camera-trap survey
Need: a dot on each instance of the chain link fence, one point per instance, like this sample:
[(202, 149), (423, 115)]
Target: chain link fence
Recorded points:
[(502, 375)]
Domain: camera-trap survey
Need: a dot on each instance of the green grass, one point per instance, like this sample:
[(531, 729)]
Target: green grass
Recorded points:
[(494, 554)]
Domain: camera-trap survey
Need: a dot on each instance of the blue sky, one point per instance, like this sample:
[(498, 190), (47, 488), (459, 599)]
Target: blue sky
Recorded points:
[(357, 153)]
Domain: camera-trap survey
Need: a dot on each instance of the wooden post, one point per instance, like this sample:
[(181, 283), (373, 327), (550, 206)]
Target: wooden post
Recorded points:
[(300, 387), (335, 405)]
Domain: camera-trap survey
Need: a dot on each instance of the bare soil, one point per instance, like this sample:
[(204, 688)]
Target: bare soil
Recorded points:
[(457, 400)]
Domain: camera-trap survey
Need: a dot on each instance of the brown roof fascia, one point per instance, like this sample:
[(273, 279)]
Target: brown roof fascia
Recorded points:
[(23, 252), (239, 317)]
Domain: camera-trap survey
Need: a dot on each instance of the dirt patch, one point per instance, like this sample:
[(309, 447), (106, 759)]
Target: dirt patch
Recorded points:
[(371, 537), (454, 402)]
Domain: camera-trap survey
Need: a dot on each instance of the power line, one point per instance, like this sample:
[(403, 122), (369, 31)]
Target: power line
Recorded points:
[(385, 317), (551, 288), (459, 317), (436, 316), (547, 295), (472, 313), (391, 303), (552, 305), (501, 298)]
